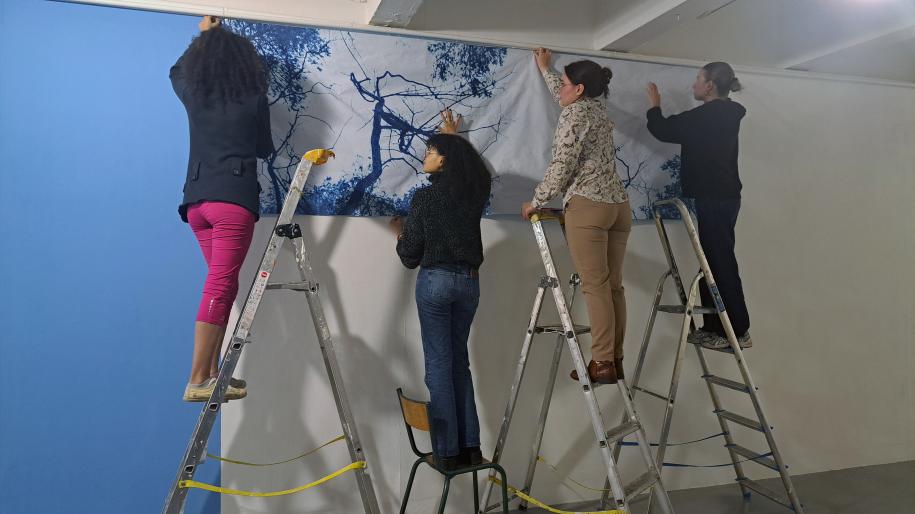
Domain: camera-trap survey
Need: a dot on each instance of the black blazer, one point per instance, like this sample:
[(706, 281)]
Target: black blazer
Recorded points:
[(225, 144)]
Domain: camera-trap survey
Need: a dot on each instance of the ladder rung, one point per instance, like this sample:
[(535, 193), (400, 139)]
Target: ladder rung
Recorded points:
[(640, 484), (740, 420), (725, 349), (651, 393), (765, 491), (620, 432), (753, 456), (295, 286), (681, 309), (559, 329), (730, 384)]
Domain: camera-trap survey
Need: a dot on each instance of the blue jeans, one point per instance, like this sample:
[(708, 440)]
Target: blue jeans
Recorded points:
[(446, 298)]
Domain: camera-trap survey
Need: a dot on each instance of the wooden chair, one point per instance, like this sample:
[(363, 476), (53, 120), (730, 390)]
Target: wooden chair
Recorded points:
[(416, 417)]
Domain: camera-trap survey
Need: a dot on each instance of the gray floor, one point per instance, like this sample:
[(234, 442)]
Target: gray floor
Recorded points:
[(884, 489)]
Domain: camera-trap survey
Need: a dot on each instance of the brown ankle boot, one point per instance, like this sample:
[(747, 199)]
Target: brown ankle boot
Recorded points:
[(618, 364), (601, 372)]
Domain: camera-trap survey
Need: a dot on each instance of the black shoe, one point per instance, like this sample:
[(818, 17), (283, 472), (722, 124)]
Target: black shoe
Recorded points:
[(448, 463), (471, 456)]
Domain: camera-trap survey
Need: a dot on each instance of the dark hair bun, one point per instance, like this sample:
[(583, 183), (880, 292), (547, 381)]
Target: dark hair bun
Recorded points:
[(608, 74), (735, 85), (591, 75)]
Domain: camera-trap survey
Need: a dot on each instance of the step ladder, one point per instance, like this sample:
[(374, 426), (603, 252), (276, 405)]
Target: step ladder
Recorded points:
[(568, 332), (686, 309), (284, 230)]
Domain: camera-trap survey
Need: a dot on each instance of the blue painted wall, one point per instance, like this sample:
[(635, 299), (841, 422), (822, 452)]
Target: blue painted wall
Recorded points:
[(99, 278)]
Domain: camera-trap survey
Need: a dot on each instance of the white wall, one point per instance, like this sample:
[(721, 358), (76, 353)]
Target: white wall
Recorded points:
[(825, 241)]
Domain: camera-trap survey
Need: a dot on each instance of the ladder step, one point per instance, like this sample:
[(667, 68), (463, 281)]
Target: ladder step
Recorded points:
[(753, 456), (295, 286), (681, 309), (559, 329), (765, 491), (640, 484), (740, 420), (730, 384), (651, 393), (724, 349), (619, 433)]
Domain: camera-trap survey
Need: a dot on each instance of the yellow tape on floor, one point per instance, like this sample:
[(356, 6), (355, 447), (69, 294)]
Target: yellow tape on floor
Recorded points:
[(306, 454), (534, 501), (223, 490)]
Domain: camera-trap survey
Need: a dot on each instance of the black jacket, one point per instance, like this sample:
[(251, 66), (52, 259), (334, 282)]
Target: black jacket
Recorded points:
[(708, 158), (225, 144)]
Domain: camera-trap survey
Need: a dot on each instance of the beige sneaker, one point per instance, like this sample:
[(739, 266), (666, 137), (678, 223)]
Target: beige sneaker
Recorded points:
[(202, 392), (237, 383)]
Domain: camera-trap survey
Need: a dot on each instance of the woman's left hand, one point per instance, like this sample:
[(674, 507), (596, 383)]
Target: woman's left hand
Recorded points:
[(450, 124), (396, 225), (528, 210)]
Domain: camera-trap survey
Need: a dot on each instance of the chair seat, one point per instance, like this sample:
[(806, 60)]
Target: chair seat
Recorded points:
[(430, 460)]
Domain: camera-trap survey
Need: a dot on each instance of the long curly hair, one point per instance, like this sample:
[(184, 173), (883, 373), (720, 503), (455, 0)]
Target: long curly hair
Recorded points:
[(464, 172), (222, 65)]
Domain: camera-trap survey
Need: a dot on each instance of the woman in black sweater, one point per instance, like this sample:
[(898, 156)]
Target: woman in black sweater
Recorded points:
[(442, 235), (708, 135)]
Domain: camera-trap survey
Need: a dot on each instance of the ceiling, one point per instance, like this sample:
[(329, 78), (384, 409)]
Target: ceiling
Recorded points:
[(874, 39), (867, 38)]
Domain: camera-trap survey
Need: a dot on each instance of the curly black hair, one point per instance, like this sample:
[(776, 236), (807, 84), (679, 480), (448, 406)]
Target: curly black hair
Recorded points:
[(223, 65), (464, 172)]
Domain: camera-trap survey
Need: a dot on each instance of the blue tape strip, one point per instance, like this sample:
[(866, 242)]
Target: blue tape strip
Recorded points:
[(626, 443), (678, 465)]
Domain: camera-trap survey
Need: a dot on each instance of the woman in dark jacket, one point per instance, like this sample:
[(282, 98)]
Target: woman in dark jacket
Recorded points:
[(442, 235), (220, 80)]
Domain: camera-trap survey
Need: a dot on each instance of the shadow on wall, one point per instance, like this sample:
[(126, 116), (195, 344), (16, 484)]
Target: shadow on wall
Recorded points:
[(289, 366)]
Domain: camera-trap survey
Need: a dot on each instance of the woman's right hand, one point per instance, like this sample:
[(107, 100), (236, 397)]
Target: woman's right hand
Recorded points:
[(654, 96), (542, 57), (208, 22), (396, 225)]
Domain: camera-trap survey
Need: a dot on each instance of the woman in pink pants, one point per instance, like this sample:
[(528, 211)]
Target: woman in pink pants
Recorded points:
[(220, 80)]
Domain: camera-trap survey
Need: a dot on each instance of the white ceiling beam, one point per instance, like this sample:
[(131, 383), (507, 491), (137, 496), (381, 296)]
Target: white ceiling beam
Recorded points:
[(896, 34), (301, 20), (394, 13), (649, 19)]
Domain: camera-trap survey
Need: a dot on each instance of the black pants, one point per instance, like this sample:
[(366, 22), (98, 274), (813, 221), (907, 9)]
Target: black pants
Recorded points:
[(717, 219)]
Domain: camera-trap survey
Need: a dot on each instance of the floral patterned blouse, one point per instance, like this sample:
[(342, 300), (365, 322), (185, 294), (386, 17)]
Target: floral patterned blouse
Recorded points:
[(584, 158)]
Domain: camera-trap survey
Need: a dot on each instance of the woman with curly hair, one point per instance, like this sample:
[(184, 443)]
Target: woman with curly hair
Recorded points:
[(220, 80), (441, 235)]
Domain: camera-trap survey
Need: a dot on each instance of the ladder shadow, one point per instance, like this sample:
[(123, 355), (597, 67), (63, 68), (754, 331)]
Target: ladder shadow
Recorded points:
[(276, 365), (369, 371), (290, 362)]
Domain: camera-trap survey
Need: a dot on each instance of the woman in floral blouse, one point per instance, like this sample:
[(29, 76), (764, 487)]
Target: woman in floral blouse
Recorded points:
[(597, 213)]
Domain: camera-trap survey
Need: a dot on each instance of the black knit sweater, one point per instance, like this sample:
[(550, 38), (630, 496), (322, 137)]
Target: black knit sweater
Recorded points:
[(708, 135), (441, 230)]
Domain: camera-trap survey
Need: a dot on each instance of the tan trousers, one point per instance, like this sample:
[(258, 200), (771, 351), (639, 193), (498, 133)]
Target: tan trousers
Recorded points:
[(597, 233)]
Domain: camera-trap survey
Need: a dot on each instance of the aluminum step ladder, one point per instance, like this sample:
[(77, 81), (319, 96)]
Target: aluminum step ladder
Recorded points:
[(686, 309), (568, 332), (284, 230)]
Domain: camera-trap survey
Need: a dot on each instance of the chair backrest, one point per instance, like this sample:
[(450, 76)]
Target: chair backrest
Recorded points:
[(415, 413)]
